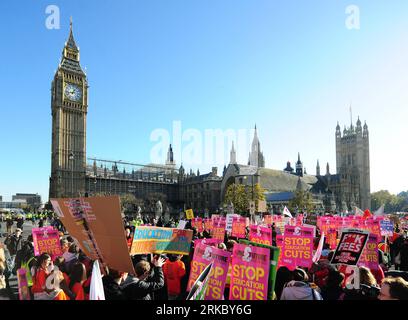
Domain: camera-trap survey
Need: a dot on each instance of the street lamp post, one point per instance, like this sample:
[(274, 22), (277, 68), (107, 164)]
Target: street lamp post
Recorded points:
[(71, 157), (252, 180)]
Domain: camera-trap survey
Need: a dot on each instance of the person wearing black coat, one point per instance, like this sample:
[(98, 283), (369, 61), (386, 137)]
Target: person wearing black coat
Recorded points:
[(333, 289), (14, 242), (111, 285), (404, 255), (142, 287)]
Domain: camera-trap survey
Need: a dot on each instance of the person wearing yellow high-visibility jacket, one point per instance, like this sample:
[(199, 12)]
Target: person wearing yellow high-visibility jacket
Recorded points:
[(9, 222)]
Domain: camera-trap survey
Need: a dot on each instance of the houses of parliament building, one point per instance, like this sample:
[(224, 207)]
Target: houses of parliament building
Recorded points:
[(73, 174)]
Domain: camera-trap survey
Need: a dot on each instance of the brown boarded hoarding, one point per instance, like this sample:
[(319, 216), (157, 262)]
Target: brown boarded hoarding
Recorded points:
[(97, 225)]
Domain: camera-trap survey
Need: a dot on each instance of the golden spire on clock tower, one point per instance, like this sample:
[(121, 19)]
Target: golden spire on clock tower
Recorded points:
[(71, 50)]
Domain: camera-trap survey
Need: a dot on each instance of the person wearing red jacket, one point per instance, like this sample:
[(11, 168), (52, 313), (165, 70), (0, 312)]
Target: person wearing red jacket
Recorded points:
[(174, 270)]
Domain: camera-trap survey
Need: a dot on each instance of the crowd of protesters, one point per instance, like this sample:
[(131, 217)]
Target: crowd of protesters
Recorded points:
[(165, 277)]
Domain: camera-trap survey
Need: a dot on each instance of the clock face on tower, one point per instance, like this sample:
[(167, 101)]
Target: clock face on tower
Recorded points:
[(73, 92)]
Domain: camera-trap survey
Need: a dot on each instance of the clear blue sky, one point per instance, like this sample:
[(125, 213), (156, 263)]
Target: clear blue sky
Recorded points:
[(292, 67)]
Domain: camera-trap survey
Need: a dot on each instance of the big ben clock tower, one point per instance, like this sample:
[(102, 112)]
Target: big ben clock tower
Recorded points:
[(69, 105)]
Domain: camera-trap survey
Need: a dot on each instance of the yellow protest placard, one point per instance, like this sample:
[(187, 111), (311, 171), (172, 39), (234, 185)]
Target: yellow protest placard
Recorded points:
[(189, 214)]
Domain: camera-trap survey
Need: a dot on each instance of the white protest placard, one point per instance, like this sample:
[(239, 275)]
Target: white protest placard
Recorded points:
[(181, 224), (230, 217)]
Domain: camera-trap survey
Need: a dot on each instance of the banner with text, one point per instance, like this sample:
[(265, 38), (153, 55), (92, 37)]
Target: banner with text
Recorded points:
[(259, 234), (96, 223), (46, 240), (350, 247), (161, 240), (238, 227), (229, 220), (387, 228), (189, 214), (208, 225), (198, 224), (219, 226), (203, 256), (250, 273), (297, 247), (369, 257)]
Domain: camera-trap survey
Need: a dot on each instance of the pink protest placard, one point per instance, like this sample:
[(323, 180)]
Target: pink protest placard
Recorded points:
[(218, 231), (357, 222), (209, 242), (279, 244), (238, 227), (299, 219), (297, 247), (279, 241), (23, 290), (46, 240), (343, 223), (215, 216), (268, 219), (374, 227), (249, 273), (259, 234), (218, 219), (208, 224), (369, 257), (331, 238), (326, 223), (203, 256), (198, 224)]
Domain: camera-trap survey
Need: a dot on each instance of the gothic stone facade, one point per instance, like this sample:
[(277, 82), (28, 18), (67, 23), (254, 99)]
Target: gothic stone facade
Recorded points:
[(353, 165)]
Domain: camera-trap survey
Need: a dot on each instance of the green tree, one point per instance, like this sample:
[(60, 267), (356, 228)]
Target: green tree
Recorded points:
[(380, 198), (128, 203), (391, 202), (259, 194), (237, 196), (240, 196), (303, 200)]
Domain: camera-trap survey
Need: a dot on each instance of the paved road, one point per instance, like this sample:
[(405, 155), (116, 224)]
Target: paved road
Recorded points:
[(26, 232)]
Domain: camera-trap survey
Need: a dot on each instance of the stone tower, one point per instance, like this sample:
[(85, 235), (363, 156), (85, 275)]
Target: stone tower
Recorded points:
[(69, 105), (299, 167), (256, 157), (170, 157), (353, 165), (233, 155)]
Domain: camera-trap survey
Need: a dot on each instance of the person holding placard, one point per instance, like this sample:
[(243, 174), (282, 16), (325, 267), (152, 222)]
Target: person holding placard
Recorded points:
[(41, 272), (46, 281), (138, 288)]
